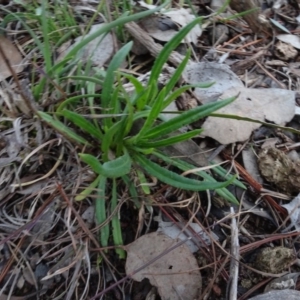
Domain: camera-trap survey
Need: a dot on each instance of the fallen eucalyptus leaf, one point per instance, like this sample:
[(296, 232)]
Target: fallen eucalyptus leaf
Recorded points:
[(287, 281), (273, 105), (220, 74), (174, 274), (293, 209), (292, 39), (278, 295), (99, 50), (174, 231), (13, 55)]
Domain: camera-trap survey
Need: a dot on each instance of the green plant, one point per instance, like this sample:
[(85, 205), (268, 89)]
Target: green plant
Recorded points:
[(129, 150), (120, 149)]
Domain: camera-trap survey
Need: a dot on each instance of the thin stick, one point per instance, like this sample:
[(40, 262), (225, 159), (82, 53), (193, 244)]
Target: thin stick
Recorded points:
[(234, 262)]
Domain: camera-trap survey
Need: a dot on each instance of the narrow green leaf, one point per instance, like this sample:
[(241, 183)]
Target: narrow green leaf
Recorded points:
[(108, 138), (223, 7), (83, 78), (241, 14), (145, 98), (137, 84), (115, 222), (174, 179), (47, 51), (108, 26), (168, 48), (91, 90), (154, 113), (235, 117), (132, 191), (86, 192), (82, 123), (127, 121), (177, 74), (111, 169), (141, 114), (181, 90), (62, 128), (224, 174), (143, 182), (279, 25), (186, 118), (108, 84), (169, 141), (184, 166), (73, 100), (100, 212), (20, 18)]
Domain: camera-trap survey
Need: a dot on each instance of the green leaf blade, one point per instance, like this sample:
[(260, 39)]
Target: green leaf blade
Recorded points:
[(82, 123), (168, 48), (108, 83), (186, 118), (175, 180), (62, 128), (184, 166), (111, 169), (100, 212), (169, 141), (115, 222)]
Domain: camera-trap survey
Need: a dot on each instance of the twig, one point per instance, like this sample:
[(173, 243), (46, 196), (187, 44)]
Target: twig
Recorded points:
[(240, 67), (270, 75), (234, 262)]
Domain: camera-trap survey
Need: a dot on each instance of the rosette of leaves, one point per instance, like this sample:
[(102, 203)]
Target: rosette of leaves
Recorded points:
[(120, 151)]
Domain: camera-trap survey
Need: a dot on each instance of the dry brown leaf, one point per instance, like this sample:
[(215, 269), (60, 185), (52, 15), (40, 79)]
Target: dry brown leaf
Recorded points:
[(13, 55), (293, 209), (287, 281), (183, 17), (250, 164), (98, 50), (178, 231), (292, 39), (285, 51), (274, 105), (175, 274), (278, 295), (160, 28), (166, 25), (219, 74)]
